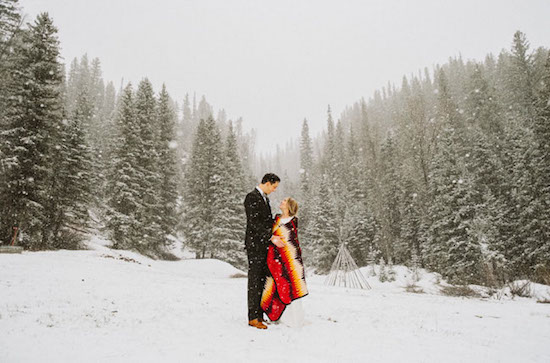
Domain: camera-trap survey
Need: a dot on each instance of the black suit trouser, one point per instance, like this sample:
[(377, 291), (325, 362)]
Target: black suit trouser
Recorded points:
[(257, 272)]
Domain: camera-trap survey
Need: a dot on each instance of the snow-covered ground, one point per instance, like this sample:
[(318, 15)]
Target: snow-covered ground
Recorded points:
[(104, 305)]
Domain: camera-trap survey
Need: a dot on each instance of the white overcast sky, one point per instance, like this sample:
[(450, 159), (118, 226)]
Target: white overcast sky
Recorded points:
[(276, 62)]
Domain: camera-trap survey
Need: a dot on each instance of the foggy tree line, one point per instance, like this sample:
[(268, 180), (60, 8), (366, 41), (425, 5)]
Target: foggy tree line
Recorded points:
[(78, 156), (67, 149), (451, 170)]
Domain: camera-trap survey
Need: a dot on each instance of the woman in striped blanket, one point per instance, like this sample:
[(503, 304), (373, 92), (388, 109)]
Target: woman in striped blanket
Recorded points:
[(285, 283)]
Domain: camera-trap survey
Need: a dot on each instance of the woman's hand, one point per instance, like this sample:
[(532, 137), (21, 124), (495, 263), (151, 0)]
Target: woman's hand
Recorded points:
[(277, 241)]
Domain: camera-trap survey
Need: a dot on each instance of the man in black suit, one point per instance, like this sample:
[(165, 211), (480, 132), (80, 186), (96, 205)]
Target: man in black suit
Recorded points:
[(259, 224)]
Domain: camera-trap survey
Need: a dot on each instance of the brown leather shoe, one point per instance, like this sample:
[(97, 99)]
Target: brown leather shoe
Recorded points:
[(257, 324)]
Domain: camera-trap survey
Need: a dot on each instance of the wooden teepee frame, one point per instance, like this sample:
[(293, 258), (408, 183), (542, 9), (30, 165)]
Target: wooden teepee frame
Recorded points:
[(344, 272)]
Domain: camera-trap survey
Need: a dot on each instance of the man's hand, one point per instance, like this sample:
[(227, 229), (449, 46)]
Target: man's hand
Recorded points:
[(277, 241)]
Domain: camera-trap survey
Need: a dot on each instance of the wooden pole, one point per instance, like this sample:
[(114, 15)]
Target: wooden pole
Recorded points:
[(16, 229)]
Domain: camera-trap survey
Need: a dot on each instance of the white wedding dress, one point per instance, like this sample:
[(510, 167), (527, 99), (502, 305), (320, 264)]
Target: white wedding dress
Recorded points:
[(294, 315)]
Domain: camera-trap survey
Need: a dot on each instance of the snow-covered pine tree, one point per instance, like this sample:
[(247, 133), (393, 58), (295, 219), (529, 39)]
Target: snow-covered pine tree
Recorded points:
[(98, 123), (323, 229), (368, 142), (311, 234), (306, 160), (72, 85), (107, 135), (412, 215), (519, 79), (359, 224), (85, 89), (71, 186), (451, 247), (10, 44), (329, 156), (481, 107), (124, 192), (339, 170), (482, 159), (149, 214), (203, 183), (230, 222), (306, 175), (541, 205), (521, 227), (390, 217), (167, 165), (33, 113)]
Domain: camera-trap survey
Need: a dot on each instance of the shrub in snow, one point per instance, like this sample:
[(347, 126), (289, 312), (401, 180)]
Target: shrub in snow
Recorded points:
[(413, 288), (414, 267), (460, 290), (521, 288), (390, 272), (371, 261), (382, 275)]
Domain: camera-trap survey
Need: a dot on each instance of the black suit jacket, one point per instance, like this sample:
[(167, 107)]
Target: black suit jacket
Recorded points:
[(259, 222)]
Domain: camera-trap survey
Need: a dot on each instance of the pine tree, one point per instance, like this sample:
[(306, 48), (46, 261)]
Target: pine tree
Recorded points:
[(149, 214), (520, 81), (203, 183), (124, 197), (306, 160), (323, 232), (412, 215), (329, 149), (339, 170), (33, 114), (306, 175), (482, 109), (451, 247), (71, 184), (390, 214), (167, 165), (359, 231), (540, 247), (105, 133), (229, 223)]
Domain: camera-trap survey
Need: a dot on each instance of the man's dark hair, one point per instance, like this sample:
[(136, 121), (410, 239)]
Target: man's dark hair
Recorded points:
[(270, 177)]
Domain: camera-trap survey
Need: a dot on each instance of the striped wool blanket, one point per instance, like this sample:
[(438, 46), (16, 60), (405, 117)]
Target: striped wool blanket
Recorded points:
[(286, 280)]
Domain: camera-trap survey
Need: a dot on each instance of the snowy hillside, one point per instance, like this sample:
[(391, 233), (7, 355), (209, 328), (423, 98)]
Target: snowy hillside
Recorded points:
[(116, 306)]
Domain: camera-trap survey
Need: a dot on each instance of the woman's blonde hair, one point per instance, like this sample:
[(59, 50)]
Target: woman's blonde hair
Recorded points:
[(292, 205)]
